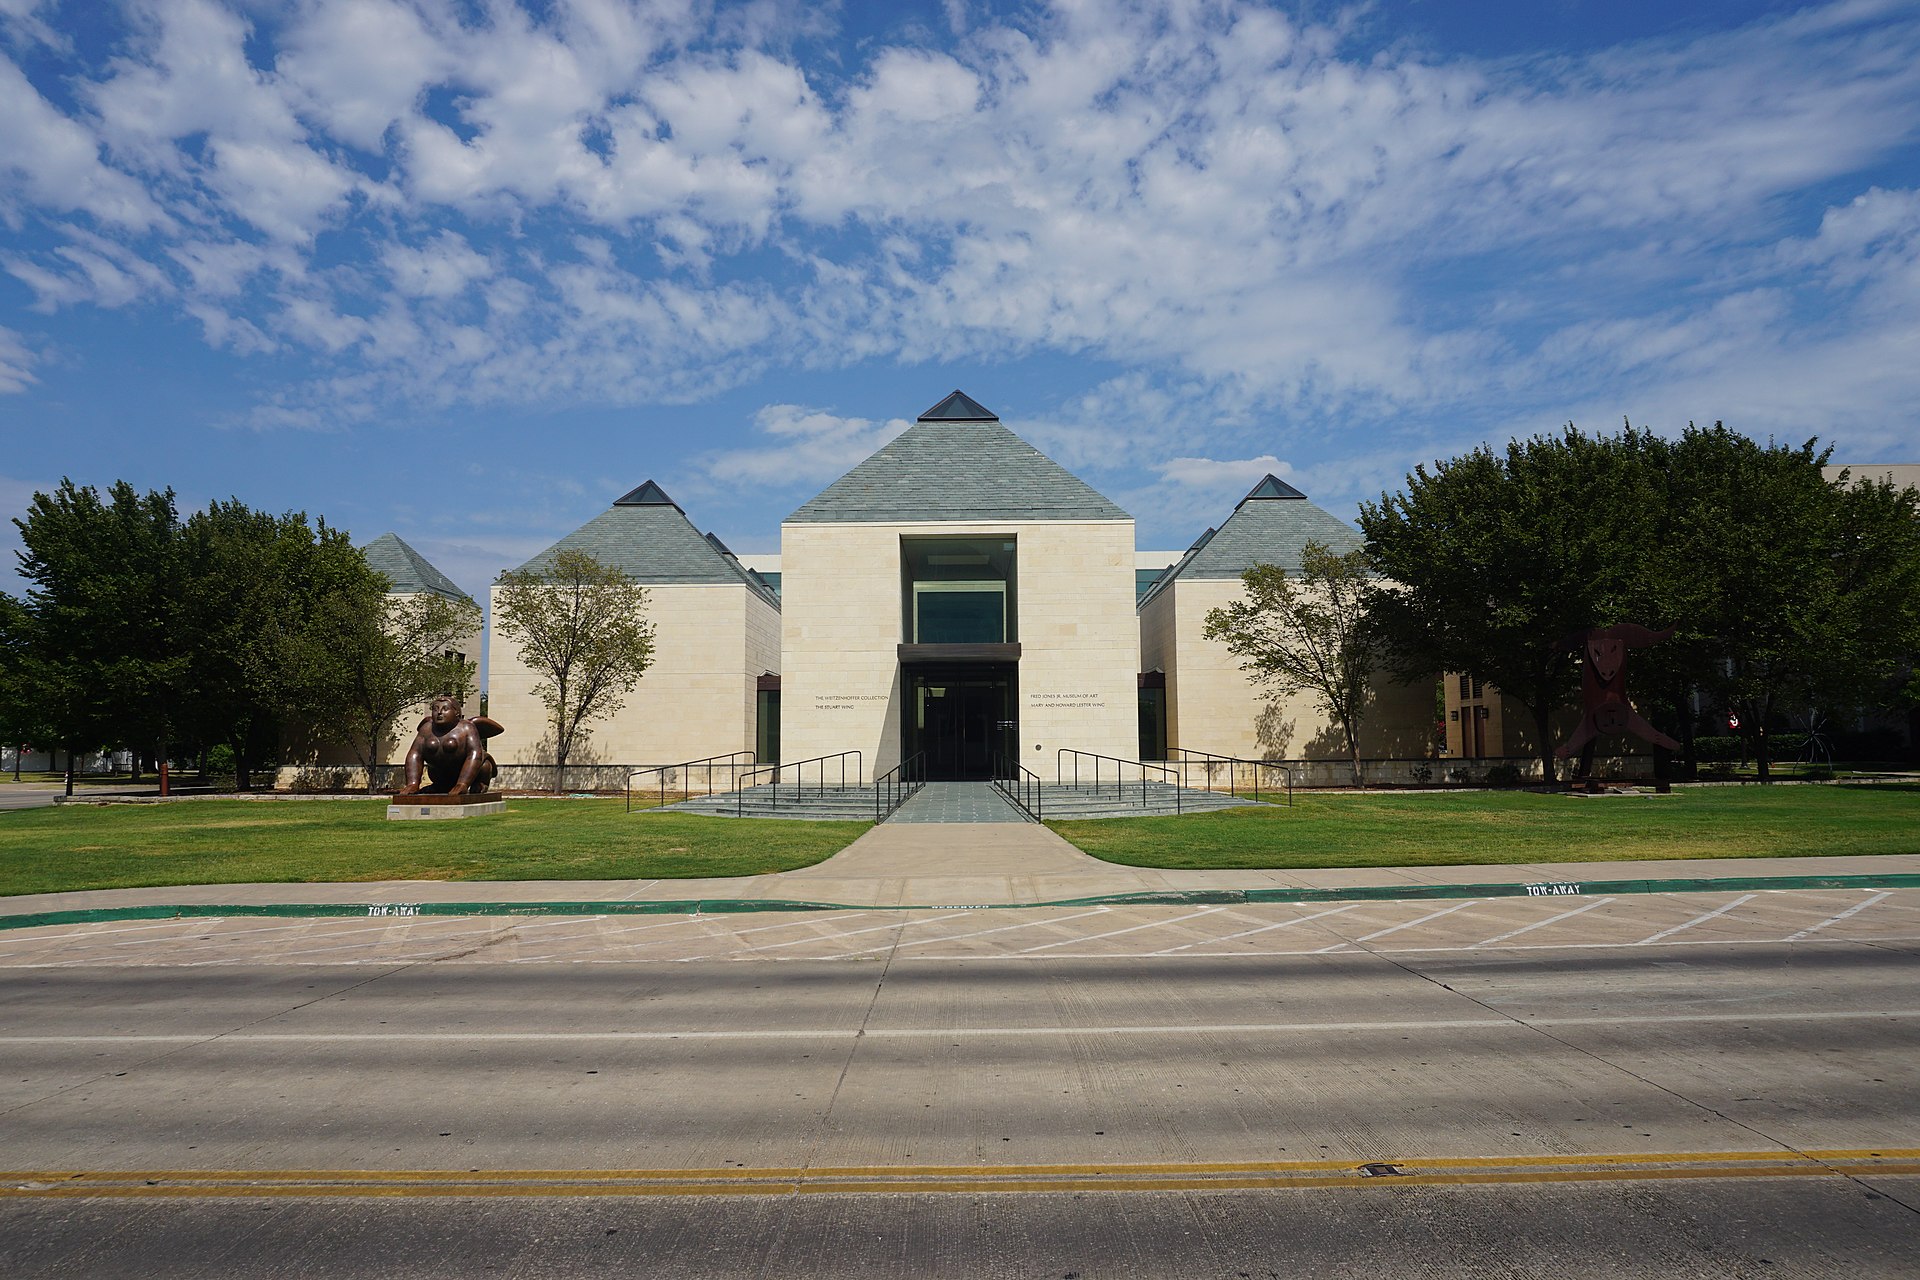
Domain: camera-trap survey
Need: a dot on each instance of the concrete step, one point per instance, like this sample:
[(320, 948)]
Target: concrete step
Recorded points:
[(855, 804), (833, 804), (1158, 799)]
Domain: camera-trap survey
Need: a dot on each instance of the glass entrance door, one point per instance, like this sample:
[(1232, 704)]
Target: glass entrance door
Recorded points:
[(963, 719)]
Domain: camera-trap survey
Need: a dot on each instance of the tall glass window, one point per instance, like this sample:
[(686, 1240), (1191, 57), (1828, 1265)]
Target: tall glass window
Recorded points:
[(958, 590)]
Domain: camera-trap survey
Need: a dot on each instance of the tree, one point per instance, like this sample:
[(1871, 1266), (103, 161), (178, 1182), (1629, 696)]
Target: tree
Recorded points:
[(1788, 589), (580, 628), (1308, 634), (266, 596), (1502, 555), (105, 663), (1780, 586), (20, 724), (393, 656)]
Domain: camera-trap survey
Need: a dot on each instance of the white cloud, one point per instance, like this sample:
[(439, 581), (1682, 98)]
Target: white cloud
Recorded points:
[(357, 67), (284, 190), (811, 446), (1219, 475), (1271, 225), (441, 268), (57, 161), (89, 268), (16, 362)]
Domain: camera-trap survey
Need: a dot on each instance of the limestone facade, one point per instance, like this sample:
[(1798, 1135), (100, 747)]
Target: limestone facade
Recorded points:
[(1213, 707), (843, 618), (710, 642)]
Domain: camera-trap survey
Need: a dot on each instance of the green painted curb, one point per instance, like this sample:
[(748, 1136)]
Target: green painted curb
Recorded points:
[(1181, 897)]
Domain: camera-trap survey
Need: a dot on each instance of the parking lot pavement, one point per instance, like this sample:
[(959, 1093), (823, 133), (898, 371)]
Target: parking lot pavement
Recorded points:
[(1656, 922)]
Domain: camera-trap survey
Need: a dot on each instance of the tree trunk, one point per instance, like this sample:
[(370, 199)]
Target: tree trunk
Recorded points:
[(69, 772), (1689, 763), (1353, 753), (1542, 715)]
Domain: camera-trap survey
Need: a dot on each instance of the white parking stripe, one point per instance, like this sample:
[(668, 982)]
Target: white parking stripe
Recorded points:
[(797, 942), (1284, 924), (978, 933), (1152, 924), (1381, 933), (1668, 933), (1853, 910), (789, 924), (1541, 924), (95, 931)]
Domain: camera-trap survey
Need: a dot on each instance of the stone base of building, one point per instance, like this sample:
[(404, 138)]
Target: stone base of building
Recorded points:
[(430, 808)]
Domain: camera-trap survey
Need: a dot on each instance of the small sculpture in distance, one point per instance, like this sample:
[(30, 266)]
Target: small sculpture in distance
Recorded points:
[(452, 750), (1603, 687)]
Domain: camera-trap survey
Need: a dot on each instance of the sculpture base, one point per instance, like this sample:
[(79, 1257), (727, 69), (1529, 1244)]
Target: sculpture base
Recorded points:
[(432, 807)]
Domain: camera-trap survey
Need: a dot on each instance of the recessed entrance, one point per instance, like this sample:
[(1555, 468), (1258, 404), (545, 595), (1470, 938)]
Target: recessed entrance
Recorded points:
[(962, 717)]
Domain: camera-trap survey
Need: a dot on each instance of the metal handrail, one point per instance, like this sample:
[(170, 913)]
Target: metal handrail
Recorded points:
[(732, 762), (1021, 788), (1210, 759), (897, 785), (1118, 781), (799, 781)]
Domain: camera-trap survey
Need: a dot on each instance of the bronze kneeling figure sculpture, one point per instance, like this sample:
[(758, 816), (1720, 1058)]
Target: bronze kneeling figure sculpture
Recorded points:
[(451, 749)]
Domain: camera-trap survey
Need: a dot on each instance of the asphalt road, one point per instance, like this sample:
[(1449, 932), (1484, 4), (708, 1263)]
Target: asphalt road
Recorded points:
[(1717, 1109)]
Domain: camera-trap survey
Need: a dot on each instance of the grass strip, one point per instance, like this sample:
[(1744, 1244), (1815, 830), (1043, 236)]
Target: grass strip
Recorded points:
[(1333, 829), (74, 847)]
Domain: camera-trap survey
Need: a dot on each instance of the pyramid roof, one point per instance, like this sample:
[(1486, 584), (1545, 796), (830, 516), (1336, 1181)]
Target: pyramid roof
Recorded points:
[(407, 571), (648, 537), (957, 463), (1271, 525)]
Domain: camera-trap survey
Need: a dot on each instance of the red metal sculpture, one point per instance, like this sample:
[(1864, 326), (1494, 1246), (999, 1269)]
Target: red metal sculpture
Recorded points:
[(1603, 686)]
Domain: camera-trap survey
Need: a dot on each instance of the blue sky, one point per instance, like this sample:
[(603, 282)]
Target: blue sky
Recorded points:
[(467, 270)]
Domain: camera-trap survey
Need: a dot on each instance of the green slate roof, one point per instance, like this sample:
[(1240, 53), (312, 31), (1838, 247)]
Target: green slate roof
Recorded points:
[(408, 570), (1272, 525), (957, 463), (648, 537)]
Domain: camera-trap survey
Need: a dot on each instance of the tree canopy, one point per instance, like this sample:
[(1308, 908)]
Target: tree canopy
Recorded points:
[(580, 627), (1780, 584), (1308, 633), (143, 630), (393, 656)]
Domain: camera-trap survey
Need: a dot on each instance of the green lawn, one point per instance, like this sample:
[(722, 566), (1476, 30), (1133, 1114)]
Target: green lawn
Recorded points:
[(1385, 830), (243, 842)]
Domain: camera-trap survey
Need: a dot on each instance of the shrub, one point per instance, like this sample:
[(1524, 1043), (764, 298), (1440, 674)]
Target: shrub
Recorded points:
[(218, 761), (1504, 775)]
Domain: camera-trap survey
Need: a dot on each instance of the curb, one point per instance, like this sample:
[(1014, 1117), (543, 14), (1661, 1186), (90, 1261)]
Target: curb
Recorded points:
[(1175, 897)]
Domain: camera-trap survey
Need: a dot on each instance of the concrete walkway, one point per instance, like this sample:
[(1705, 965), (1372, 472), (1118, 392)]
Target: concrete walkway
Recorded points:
[(957, 802)]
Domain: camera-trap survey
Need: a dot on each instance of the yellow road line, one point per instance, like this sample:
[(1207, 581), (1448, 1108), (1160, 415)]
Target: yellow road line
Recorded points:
[(979, 1171), (950, 1179)]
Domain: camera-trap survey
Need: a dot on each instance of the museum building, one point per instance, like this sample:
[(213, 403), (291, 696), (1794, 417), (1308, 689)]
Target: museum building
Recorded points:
[(960, 595)]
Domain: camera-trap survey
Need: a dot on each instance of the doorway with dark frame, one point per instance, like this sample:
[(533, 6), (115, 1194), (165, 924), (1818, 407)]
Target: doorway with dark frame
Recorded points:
[(962, 717)]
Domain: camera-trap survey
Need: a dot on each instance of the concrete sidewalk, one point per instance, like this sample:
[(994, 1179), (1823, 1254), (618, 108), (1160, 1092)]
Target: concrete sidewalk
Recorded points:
[(935, 864)]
